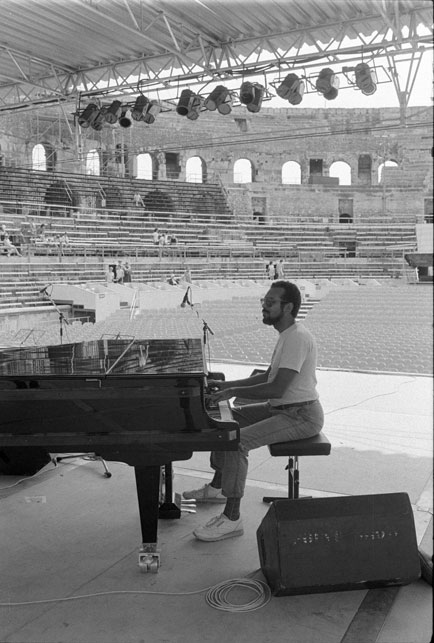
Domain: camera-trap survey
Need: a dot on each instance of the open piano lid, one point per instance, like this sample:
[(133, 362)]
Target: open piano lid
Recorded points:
[(106, 358)]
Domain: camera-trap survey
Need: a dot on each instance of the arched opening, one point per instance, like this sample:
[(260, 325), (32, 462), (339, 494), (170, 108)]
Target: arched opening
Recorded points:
[(342, 171), (145, 166), (291, 173), (195, 170), (243, 171), (92, 163), (39, 158), (380, 169)]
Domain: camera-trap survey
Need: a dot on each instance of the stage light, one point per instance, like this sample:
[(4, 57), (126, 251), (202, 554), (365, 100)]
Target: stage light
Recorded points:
[(251, 95), (365, 79), (139, 106), (194, 107), (218, 97), (225, 107), (189, 104), (327, 83), (99, 121), (88, 115), (152, 111), (292, 89), (184, 101), (124, 120), (113, 112)]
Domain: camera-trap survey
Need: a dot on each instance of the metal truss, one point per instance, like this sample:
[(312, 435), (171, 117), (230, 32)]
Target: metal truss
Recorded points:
[(196, 61)]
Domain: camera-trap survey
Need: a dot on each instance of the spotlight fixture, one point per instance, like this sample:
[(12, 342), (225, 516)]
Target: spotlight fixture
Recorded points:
[(251, 95), (189, 104), (219, 99), (113, 112), (99, 121), (365, 79), (327, 83), (152, 111), (139, 107), (292, 89), (124, 118), (88, 115), (195, 106), (183, 103), (225, 108)]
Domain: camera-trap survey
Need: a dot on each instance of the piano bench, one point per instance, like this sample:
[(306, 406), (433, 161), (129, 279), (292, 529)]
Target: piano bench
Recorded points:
[(318, 445)]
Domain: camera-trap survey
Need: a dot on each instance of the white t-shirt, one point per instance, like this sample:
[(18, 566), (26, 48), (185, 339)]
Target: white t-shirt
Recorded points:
[(296, 350)]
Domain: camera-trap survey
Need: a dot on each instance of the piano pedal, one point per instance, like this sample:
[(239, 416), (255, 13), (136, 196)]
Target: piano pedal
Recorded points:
[(149, 558), (188, 506)]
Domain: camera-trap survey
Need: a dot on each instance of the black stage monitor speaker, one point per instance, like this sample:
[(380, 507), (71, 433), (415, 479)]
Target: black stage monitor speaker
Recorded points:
[(316, 545)]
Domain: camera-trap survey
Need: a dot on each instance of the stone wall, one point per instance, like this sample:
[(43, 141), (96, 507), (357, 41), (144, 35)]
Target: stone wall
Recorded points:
[(268, 140)]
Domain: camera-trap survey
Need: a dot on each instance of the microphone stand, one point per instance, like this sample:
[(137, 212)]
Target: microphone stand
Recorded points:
[(62, 318), (206, 330)]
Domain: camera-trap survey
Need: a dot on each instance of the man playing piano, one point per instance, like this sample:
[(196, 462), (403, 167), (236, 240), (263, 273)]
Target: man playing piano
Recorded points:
[(286, 407)]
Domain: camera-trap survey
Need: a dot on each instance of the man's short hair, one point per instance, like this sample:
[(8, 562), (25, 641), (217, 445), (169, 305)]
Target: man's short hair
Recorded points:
[(291, 294)]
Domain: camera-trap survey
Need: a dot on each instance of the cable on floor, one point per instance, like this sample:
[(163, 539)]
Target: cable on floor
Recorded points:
[(217, 596)]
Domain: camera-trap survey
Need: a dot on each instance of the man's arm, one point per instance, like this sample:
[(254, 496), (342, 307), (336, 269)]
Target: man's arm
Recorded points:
[(253, 380), (259, 391)]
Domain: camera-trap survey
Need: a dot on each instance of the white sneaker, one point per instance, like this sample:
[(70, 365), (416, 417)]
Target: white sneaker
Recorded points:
[(205, 494), (219, 528)]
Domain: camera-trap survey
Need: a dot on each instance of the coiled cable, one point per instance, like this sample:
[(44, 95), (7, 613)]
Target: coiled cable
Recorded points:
[(218, 596)]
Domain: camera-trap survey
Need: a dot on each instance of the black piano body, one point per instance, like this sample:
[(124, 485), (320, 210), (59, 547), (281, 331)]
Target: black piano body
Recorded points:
[(142, 402)]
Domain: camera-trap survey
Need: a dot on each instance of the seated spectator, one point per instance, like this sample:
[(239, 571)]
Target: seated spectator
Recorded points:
[(9, 247), (138, 201), (173, 240), (173, 280)]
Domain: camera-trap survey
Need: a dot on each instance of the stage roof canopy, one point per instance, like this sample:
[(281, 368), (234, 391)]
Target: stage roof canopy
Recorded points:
[(58, 50)]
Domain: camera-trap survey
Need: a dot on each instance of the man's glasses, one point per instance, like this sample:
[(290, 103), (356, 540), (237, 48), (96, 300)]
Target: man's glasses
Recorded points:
[(269, 302)]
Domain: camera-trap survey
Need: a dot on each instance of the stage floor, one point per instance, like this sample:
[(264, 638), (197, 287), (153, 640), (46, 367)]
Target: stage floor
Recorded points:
[(71, 536)]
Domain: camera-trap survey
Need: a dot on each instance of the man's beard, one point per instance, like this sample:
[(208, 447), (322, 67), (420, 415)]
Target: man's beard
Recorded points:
[(270, 321)]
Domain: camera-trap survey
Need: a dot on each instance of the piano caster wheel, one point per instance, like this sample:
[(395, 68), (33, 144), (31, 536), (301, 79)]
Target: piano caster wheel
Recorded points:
[(149, 559), (108, 474)]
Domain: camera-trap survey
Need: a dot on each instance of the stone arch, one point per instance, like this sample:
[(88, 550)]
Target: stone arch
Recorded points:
[(291, 173), (93, 166), (342, 171), (388, 163), (44, 157), (243, 171), (195, 170), (147, 166), (39, 158)]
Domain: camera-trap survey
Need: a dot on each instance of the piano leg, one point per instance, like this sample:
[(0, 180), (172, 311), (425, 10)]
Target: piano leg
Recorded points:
[(148, 490), (169, 508)]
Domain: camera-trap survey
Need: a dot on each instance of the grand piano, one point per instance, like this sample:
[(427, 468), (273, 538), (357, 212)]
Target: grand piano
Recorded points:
[(142, 402)]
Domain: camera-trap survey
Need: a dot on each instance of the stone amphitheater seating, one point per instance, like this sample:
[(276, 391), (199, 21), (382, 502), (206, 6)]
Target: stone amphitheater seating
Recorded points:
[(209, 239)]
